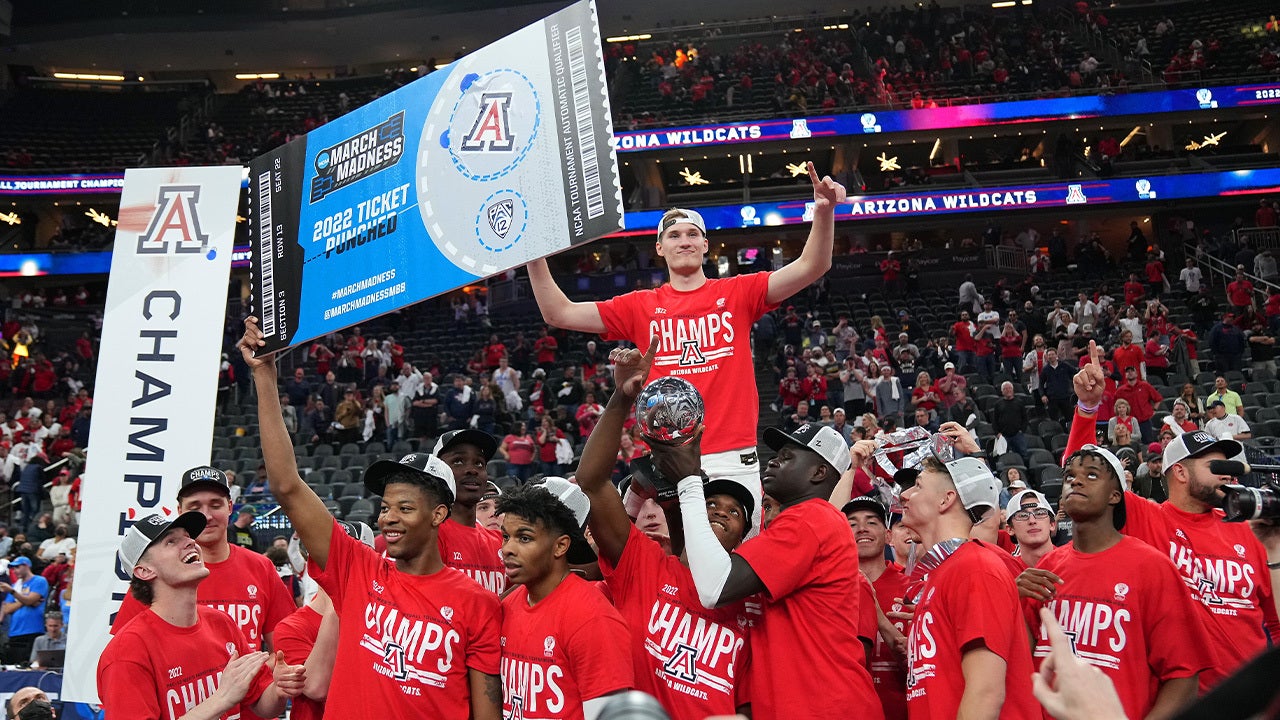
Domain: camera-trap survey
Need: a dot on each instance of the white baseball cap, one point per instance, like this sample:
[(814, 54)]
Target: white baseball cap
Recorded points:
[(1026, 497), (573, 497), (819, 438), (676, 216), (975, 484)]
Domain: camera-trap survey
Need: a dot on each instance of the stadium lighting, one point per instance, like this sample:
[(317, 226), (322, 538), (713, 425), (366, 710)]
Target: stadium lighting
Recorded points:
[(628, 38), (11, 218), (1004, 4), (257, 76), (88, 76)]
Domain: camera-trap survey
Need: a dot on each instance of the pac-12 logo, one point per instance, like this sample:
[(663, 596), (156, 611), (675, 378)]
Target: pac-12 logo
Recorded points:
[(492, 129), (500, 214), (175, 223)]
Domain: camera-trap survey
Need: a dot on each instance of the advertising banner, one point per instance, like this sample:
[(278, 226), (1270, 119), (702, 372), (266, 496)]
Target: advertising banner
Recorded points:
[(1012, 198), (956, 117), (157, 379), (497, 159)]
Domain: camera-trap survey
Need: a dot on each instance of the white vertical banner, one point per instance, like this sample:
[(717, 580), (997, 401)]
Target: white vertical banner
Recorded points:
[(157, 379)]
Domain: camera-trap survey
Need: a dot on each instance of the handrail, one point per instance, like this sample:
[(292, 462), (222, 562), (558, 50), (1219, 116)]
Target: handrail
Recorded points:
[(1226, 271)]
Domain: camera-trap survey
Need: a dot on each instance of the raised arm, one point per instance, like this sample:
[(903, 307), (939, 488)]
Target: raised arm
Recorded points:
[(556, 307), (306, 511), (815, 258), (1090, 384), (608, 521), (721, 577)]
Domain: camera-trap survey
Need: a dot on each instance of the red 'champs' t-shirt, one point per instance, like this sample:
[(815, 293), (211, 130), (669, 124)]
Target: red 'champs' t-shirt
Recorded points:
[(570, 647), (706, 339), (152, 670), (693, 660), (406, 641), (476, 551), (295, 637), (245, 586), (969, 598), (887, 671), (805, 662), (1224, 569), (1126, 613)]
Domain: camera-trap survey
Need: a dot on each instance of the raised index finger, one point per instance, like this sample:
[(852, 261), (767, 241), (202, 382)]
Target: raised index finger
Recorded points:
[(813, 173), (1057, 639)]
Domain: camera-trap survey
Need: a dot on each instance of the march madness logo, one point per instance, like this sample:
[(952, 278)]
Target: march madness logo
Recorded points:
[(175, 223), (491, 130), (360, 156)]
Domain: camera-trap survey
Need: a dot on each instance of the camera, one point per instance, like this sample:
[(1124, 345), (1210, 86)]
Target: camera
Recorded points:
[(1242, 503)]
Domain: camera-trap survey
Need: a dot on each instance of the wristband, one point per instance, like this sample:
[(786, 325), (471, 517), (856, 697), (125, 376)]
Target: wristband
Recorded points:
[(1274, 565), (1087, 409)]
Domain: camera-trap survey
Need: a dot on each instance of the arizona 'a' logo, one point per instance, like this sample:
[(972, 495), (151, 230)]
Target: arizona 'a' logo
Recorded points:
[(175, 220), (491, 130), (691, 354)]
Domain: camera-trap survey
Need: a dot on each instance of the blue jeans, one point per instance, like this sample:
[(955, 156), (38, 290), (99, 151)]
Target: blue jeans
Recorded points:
[(523, 472)]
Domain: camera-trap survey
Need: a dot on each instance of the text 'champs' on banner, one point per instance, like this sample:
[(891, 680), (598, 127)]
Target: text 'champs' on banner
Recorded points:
[(497, 159), (157, 379)]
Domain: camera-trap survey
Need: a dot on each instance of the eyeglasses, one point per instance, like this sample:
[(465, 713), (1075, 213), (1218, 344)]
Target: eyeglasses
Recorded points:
[(1038, 513)]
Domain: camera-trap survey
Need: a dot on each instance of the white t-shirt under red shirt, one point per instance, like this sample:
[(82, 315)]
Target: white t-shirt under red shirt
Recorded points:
[(570, 647), (1224, 569), (693, 660), (152, 670), (405, 642), (706, 339), (806, 658), (476, 551), (969, 598), (1126, 612), (245, 586)]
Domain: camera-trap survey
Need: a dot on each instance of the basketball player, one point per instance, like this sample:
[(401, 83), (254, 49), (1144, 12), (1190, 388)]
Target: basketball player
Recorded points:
[(243, 584), (1120, 600), (1223, 565), (801, 598), (648, 583), (178, 658), (564, 647), (704, 324), (415, 638)]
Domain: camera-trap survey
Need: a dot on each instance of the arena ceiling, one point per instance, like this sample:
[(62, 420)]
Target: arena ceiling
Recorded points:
[(256, 35)]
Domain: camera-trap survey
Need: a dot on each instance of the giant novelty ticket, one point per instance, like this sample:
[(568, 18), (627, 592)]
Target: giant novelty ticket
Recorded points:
[(500, 158)]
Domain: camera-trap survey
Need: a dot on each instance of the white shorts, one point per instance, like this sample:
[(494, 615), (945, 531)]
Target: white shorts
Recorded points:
[(741, 466)]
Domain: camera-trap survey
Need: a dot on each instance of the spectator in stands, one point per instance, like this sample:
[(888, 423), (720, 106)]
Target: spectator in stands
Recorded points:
[(348, 416), (459, 403), (1261, 349), (60, 543), (425, 407), (840, 424), (1204, 309), (240, 532), (23, 609), (800, 417), (485, 418), (1227, 342), (53, 638), (854, 386), (518, 448), (951, 386), (568, 392), (1222, 424), (1265, 215), (1055, 382), (890, 397), (1122, 418), (548, 437), (1009, 420), (298, 389), (1142, 399), (1240, 293), (962, 334), (544, 349), (1191, 277), (923, 419)]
